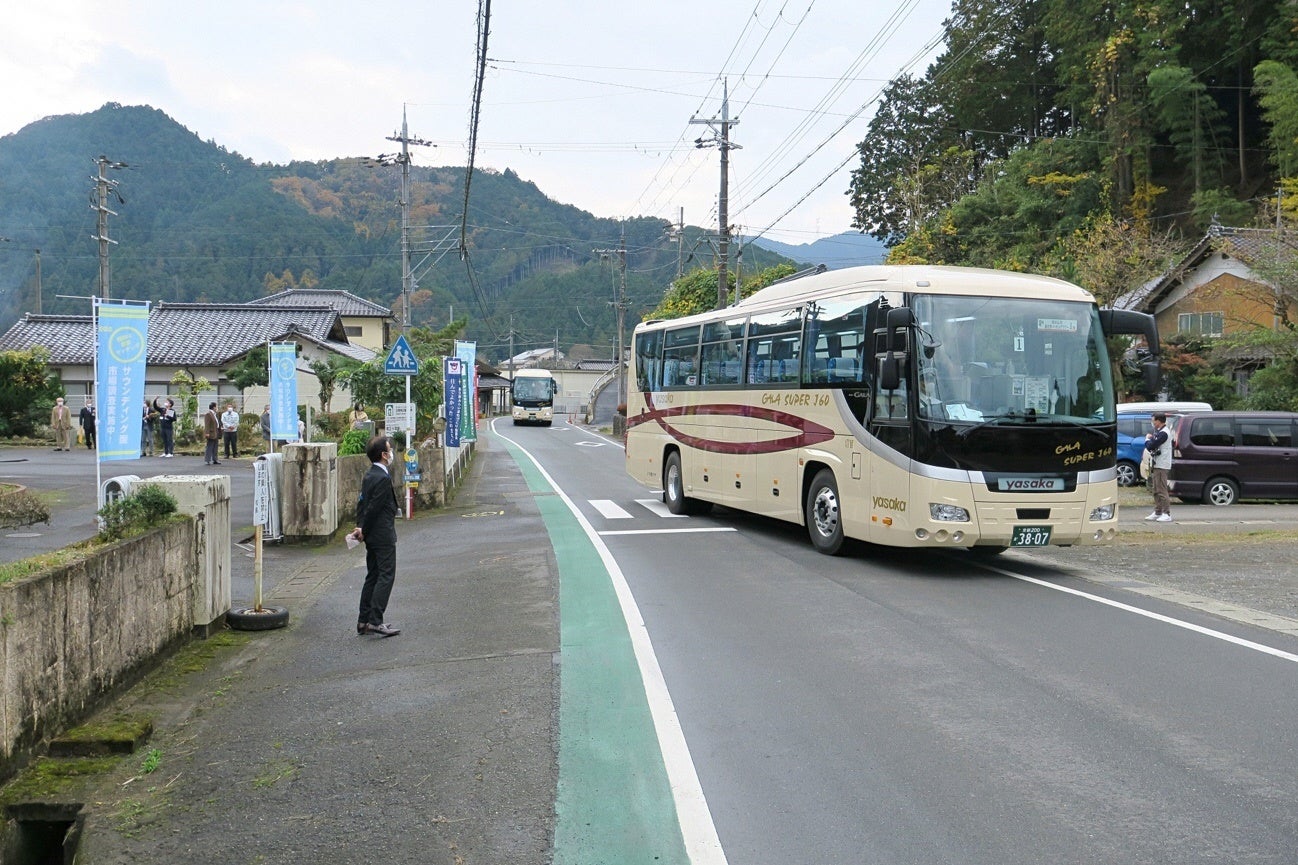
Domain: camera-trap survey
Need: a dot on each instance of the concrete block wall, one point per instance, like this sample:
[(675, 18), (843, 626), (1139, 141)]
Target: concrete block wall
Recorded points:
[(70, 635), (207, 499)]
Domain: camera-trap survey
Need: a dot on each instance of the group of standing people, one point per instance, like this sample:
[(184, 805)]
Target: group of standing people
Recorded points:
[(158, 421)]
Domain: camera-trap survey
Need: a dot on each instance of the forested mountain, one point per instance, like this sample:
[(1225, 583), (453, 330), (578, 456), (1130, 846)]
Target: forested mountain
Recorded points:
[(1053, 135), (197, 222)]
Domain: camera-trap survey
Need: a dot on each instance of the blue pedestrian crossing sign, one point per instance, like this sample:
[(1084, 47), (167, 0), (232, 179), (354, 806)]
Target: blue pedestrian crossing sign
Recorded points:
[(401, 360)]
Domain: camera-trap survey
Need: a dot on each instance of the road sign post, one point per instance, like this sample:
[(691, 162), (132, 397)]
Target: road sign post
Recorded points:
[(401, 360)]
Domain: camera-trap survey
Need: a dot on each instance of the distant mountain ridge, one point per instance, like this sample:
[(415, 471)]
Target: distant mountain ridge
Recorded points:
[(848, 249), (197, 222)]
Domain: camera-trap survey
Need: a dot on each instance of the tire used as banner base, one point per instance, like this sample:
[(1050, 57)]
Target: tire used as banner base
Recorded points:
[(249, 619)]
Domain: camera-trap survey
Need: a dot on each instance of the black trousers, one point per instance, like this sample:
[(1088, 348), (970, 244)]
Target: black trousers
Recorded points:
[(231, 444), (381, 572)]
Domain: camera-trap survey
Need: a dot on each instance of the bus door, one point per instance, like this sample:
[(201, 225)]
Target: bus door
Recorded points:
[(891, 422)]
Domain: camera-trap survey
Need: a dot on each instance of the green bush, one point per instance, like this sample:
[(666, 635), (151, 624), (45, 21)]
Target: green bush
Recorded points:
[(20, 508), (354, 442), (144, 508)]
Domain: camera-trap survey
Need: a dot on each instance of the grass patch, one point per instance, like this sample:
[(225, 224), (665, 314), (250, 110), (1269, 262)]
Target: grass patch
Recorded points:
[(48, 778), (194, 657), (120, 735), (280, 770), (43, 562)]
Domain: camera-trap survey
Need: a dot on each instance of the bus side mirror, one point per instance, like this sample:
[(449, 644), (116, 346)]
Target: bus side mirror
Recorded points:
[(1152, 372), (900, 320), (890, 371)]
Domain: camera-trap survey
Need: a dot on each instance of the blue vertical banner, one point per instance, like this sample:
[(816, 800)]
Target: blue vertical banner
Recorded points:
[(467, 352), (452, 397), (283, 391), (121, 349)]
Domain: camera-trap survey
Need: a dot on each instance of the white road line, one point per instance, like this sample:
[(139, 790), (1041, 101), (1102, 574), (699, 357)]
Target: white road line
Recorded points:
[(1158, 617), (609, 509), (702, 844), (681, 531), (658, 508)]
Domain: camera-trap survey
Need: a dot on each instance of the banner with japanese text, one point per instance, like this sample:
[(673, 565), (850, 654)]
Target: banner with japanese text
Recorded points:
[(467, 352), (452, 390), (283, 391), (121, 350)]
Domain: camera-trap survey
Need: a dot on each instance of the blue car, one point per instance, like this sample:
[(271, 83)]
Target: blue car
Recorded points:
[(1133, 424)]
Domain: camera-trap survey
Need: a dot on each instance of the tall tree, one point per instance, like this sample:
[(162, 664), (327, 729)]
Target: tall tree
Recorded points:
[(1277, 86), (912, 164)]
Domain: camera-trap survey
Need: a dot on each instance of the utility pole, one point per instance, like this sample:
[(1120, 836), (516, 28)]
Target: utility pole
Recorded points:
[(678, 233), (511, 349), (403, 159), (103, 186), (38, 282), (721, 139), (619, 308)]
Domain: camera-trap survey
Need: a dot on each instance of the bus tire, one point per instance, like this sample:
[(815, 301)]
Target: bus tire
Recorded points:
[(674, 490), (674, 486), (823, 514)]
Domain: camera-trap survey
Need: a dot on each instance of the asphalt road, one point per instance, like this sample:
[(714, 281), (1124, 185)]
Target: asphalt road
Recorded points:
[(898, 707), (883, 706)]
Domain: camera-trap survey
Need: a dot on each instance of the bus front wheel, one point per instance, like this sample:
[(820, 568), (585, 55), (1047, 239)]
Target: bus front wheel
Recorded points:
[(823, 514), (674, 490)]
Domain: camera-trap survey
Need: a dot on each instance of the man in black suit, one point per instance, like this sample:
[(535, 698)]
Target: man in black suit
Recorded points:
[(376, 514)]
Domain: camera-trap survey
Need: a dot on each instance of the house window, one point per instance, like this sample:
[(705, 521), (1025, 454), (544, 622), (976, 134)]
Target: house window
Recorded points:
[(353, 330), (1201, 323)]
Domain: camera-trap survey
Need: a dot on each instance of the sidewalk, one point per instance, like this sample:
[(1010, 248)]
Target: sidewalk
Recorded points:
[(311, 744)]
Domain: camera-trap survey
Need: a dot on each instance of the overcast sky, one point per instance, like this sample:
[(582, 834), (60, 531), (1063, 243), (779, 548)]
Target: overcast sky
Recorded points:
[(589, 100)]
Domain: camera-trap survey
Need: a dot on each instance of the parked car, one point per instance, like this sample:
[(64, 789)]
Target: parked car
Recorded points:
[(1224, 456), (1133, 424)]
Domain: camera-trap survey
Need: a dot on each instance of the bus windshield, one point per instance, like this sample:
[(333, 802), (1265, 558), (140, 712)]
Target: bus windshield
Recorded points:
[(1010, 360), (533, 390)]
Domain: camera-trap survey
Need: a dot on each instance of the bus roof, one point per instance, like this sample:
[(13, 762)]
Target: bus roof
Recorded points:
[(533, 372), (922, 278)]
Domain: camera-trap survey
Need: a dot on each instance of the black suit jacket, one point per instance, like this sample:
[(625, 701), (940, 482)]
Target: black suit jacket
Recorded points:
[(376, 509)]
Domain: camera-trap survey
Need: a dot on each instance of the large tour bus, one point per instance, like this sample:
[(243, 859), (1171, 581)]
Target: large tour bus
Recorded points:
[(532, 394), (904, 405)]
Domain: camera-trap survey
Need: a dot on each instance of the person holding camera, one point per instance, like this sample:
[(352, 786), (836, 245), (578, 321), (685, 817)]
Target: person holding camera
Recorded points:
[(1160, 451)]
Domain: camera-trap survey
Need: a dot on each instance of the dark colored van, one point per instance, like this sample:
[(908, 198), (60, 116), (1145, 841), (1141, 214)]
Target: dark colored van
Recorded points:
[(1221, 457)]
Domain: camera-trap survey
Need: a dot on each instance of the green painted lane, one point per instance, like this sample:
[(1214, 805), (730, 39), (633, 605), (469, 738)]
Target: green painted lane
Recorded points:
[(614, 803)]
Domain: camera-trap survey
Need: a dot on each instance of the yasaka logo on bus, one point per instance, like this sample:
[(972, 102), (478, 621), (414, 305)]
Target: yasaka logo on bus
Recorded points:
[(1030, 484), (889, 504)]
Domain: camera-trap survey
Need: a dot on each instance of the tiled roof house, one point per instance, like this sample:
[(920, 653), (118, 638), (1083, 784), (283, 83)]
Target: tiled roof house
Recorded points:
[(202, 338), (365, 322), (1215, 290)]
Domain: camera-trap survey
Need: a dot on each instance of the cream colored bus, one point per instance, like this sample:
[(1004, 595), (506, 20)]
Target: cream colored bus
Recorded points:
[(904, 405)]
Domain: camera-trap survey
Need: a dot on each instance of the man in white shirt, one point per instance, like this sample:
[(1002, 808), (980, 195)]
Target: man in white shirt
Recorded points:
[(230, 430)]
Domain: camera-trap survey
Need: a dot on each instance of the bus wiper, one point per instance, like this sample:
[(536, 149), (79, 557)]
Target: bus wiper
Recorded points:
[(997, 420), (1030, 417)]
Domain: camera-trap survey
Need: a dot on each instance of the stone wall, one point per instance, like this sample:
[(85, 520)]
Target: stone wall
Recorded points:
[(71, 635)]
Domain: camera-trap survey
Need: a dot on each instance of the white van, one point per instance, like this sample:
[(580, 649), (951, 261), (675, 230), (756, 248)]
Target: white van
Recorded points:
[(1164, 407)]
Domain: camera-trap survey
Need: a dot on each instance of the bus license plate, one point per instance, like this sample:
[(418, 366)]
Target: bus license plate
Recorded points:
[(1030, 536)]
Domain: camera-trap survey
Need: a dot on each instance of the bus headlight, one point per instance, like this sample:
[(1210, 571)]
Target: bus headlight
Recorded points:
[(947, 513), (1104, 512)]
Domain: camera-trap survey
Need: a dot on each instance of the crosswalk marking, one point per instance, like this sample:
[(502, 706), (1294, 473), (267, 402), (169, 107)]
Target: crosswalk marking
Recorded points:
[(680, 531), (609, 510), (658, 508)]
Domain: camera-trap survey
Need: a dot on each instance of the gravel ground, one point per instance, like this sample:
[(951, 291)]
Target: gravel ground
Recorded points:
[(1245, 555)]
